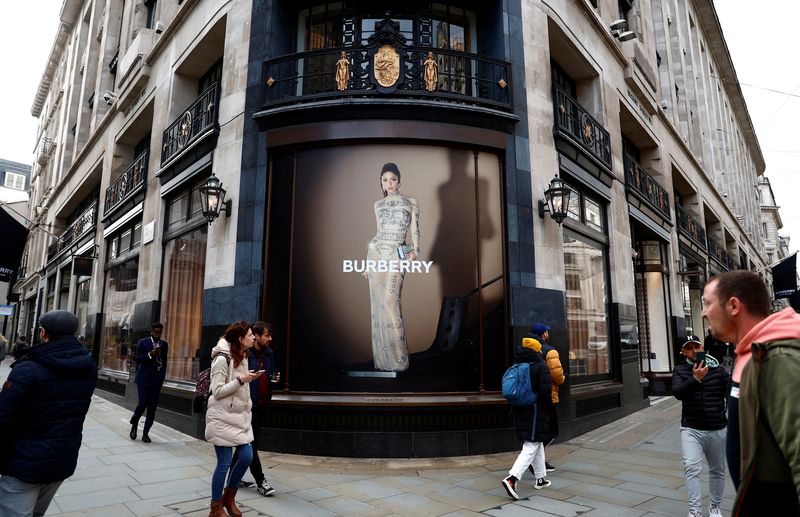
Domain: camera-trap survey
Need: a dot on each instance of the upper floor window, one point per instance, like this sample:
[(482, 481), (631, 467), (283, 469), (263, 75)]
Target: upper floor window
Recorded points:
[(151, 12), (326, 26), (15, 181), (212, 75), (563, 80)]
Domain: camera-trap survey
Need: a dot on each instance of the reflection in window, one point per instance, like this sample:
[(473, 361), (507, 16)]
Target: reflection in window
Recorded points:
[(587, 297), (82, 309), (182, 303), (120, 297)]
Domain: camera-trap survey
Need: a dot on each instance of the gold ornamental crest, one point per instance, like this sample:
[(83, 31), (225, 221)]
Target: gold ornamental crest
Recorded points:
[(386, 66)]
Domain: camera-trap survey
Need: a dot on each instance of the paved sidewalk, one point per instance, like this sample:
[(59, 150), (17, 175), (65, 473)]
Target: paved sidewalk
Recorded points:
[(631, 467)]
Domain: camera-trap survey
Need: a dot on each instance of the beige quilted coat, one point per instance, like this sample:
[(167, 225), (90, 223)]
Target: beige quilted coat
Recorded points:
[(228, 419)]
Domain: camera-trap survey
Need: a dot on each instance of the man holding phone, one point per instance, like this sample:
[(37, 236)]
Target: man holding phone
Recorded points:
[(702, 386)]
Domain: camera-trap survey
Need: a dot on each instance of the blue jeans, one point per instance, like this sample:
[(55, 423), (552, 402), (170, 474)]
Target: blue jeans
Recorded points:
[(224, 454), (21, 499), (696, 444)]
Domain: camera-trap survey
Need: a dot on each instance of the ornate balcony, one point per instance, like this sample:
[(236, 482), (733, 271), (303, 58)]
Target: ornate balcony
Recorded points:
[(198, 119), (576, 125), (645, 187), (719, 254), (437, 74), (129, 183), (690, 228), (86, 222)]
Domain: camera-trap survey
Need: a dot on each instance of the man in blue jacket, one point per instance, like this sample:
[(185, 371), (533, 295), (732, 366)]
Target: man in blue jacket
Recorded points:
[(151, 368), (261, 358), (43, 404)]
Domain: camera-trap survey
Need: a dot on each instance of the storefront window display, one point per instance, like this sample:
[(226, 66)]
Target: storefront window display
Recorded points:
[(185, 238), (122, 275), (587, 296), (120, 296), (182, 303), (63, 287), (392, 265)]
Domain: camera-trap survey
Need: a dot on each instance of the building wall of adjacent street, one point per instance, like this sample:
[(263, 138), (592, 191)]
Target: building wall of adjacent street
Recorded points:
[(633, 105)]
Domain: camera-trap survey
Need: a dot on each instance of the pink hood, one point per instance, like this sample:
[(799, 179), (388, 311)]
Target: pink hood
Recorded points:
[(781, 325)]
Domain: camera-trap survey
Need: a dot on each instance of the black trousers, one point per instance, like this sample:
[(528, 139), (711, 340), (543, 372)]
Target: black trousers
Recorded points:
[(148, 400), (255, 465)]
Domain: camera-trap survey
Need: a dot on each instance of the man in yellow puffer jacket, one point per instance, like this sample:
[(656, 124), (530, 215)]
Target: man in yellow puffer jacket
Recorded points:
[(542, 333)]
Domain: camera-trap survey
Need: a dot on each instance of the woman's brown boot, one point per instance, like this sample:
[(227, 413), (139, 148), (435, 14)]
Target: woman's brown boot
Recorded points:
[(229, 502), (216, 509)]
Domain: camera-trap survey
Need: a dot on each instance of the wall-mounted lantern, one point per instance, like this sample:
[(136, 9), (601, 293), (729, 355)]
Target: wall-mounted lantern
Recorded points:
[(556, 200), (213, 198)]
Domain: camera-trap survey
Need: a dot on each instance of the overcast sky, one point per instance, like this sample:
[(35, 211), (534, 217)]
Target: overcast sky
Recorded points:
[(762, 42)]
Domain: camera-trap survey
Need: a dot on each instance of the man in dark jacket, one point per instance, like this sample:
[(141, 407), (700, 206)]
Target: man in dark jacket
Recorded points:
[(43, 404), (261, 358), (151, 368), (532, 422), (702, 386)]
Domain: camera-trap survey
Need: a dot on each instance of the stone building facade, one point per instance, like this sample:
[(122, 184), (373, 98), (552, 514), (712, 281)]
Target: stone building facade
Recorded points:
[(299, 107)]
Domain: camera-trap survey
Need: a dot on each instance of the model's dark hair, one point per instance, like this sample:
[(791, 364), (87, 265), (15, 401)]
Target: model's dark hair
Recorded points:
[(157, 326), (389, 167), (745, 285), (260, 327), (233, 334)]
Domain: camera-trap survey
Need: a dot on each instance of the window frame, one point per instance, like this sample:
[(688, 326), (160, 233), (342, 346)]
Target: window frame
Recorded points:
[(15, 178)]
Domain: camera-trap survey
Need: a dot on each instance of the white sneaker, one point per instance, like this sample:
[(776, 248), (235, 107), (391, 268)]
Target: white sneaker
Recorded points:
[(694, 513), (714, 511)]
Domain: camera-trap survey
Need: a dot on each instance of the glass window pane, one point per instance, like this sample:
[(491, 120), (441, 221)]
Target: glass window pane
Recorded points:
[(120, 296), (125, 241), (594, 215), (197, 204), (574, 208), (585, 275), (182, 302), (176, 211), (137, 235)]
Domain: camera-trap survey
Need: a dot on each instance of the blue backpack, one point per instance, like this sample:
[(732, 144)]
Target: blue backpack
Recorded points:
[(517, 388)]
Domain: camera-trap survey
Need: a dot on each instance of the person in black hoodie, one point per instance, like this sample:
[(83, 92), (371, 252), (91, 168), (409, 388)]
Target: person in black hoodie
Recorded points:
[(702, 386), (533, 423), (43, 404)]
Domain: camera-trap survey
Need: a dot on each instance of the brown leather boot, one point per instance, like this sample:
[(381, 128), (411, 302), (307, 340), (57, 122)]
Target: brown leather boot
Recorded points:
[(216, 509), (229, 502)]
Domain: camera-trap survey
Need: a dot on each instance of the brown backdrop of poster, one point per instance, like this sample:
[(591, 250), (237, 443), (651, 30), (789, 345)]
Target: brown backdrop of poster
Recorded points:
[(334, 192)]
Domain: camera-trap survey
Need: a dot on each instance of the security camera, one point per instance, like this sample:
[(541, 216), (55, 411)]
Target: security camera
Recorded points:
[(109, 97), (619, 25), (626, 36)]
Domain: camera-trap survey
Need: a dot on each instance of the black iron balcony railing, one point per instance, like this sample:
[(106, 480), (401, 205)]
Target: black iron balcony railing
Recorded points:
[(86, 222), (576, 124), (719, 254), (460, 77), (645, 187), (129, 182), (198, 118), (690, 228)]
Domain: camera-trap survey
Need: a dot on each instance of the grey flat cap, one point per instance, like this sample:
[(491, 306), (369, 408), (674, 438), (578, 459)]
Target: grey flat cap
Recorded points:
[(59, 323)]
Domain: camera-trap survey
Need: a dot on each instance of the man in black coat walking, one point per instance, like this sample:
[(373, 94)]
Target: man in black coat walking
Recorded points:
[(533, 423), (702, 386), (151, 369), (43, 404)]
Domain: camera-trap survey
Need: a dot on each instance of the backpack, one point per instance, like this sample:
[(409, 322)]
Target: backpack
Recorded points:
[(516, 384), (202, 387)]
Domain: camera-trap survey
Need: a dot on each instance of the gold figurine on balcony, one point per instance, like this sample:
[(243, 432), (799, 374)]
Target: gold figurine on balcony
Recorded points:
[(431, 72), (342, 72)]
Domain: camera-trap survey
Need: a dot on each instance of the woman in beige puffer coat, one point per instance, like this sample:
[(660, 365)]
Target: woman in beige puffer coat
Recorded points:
[(228, 416)]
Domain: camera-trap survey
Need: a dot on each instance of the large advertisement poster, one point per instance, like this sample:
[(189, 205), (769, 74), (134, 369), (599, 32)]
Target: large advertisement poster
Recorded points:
[(388, 247)]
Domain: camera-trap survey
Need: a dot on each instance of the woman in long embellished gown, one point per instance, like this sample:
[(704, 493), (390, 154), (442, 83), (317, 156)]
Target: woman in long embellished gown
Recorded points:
[(396, 216)]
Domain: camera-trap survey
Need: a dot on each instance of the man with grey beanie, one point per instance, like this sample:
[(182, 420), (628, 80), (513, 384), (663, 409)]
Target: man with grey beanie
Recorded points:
[(43, 404)]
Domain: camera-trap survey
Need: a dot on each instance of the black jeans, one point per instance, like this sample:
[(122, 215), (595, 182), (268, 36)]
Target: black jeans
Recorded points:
[(259, 414)]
